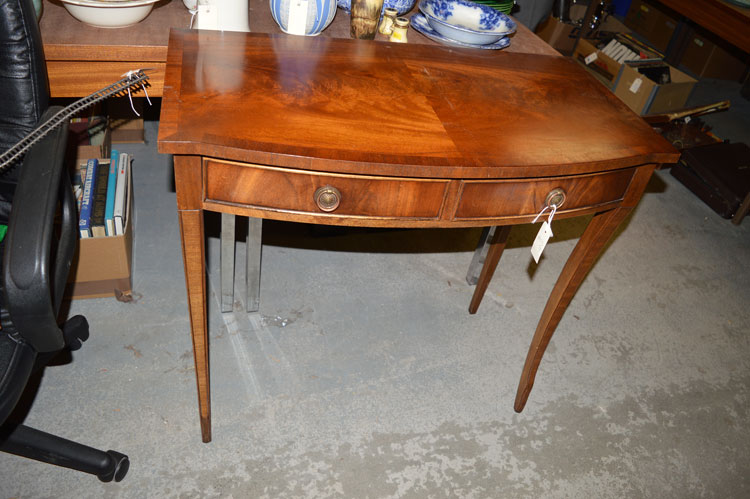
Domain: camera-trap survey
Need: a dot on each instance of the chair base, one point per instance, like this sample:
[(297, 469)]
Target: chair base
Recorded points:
[(40, 446)]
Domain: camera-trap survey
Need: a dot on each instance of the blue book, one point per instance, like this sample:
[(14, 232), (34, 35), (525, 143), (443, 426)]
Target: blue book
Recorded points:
[(109, 210), (84, 219)]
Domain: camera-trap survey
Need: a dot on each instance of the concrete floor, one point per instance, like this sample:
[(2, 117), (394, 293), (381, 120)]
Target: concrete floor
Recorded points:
[(363, 375)]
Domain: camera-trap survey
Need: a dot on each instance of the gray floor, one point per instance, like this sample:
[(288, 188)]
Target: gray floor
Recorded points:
[(364, 376)]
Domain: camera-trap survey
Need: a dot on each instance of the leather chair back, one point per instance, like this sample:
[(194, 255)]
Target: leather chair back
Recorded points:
[(24, 88)]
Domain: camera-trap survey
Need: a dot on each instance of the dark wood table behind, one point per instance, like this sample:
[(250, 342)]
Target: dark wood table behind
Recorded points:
[(82, 59)]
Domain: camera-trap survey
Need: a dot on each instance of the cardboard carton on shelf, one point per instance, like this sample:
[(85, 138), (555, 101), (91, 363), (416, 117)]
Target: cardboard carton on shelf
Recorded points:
[(645, 96), (653, 21), (125, 126), (605, 68), (562, 36), (102, 266), (707, 56)]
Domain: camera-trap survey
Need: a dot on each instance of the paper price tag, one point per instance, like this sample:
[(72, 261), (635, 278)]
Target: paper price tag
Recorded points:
[(636, 85), (297, 17), (545, 232), (590, 58)]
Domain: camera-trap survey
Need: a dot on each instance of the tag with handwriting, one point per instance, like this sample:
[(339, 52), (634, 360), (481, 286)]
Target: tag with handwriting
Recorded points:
[(545, 232), (297, 17)]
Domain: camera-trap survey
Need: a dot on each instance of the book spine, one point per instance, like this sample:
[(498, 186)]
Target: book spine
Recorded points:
[(109, 211), (121, 193), (100, 200), (84, 222)]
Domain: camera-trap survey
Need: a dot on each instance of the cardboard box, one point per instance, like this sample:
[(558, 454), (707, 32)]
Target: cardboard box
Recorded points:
[(562, 36), (102, 266), (653, 21), (126, 127), (127, 131), (603, 67), (599, 64), (648, 97), (709, 57), (557, 34)]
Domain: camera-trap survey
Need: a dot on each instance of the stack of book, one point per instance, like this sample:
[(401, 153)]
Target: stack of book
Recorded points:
[(101, 187)]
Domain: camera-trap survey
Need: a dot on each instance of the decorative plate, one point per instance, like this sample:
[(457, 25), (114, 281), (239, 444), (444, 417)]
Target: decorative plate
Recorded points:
[(419, 23), (466, 21)]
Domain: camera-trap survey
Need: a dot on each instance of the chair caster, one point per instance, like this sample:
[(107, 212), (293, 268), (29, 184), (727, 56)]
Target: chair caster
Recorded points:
[(75, 331), (118, 468)]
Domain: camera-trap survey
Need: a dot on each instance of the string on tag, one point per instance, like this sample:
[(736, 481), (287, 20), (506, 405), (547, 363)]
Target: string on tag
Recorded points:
[(131, 75), (551, 214)]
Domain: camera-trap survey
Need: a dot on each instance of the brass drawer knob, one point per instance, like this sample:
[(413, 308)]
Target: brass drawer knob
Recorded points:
[(327, 198), (556, 197)]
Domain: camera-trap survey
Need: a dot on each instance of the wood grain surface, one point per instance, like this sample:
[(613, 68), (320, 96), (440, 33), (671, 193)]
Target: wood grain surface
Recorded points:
[(403, 135), (400, 109)]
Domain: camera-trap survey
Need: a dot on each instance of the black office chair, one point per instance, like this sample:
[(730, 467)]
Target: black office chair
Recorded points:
[(38, 207)]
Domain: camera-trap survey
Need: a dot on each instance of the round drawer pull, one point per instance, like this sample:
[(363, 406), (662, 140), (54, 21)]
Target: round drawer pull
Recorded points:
[(327, 198), (556, 197)]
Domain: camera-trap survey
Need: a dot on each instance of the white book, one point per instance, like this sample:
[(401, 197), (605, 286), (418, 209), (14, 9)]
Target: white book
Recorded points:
[(121, 193)]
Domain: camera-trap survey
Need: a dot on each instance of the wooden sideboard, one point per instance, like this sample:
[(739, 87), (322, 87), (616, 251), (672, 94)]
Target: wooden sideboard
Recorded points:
[(358, 133)]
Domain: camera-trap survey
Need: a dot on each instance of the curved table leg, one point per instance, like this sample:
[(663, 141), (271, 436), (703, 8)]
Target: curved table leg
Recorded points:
[(596, 235)]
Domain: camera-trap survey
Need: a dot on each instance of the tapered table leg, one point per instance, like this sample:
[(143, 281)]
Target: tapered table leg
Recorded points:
[(193, 253), (187, 171), (227, 261), (252, 273), (497, 240), (596, 235), (479, 256)]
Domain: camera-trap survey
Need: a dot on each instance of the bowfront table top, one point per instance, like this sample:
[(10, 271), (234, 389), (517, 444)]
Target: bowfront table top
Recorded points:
[(351, 132), (342, 105)]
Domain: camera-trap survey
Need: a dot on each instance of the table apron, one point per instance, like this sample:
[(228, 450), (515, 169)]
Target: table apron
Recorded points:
[(289, 194)]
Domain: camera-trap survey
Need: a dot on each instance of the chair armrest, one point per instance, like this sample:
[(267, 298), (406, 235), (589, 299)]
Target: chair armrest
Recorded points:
[(33, 285)]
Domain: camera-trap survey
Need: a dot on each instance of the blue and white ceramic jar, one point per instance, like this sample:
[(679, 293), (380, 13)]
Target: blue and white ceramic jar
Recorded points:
[(319, 15)]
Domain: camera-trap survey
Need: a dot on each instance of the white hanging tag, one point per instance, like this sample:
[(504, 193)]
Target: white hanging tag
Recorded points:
[(545, 232), (297, 17)]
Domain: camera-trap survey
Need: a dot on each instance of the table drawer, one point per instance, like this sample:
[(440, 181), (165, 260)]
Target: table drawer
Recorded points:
[(283, 189), (522, 197)]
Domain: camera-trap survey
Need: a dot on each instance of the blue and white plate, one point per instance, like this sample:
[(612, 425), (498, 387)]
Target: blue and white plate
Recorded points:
[(466, 21), (419, 23)]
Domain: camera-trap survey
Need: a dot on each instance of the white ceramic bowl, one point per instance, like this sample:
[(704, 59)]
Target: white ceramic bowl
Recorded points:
[(467, 22), (109, 14)]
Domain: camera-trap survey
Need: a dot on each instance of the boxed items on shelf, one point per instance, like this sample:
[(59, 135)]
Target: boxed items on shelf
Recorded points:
[(653, 87), (653, 21), (707, 56), (103, 261), (562, 35), (604, 58)]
